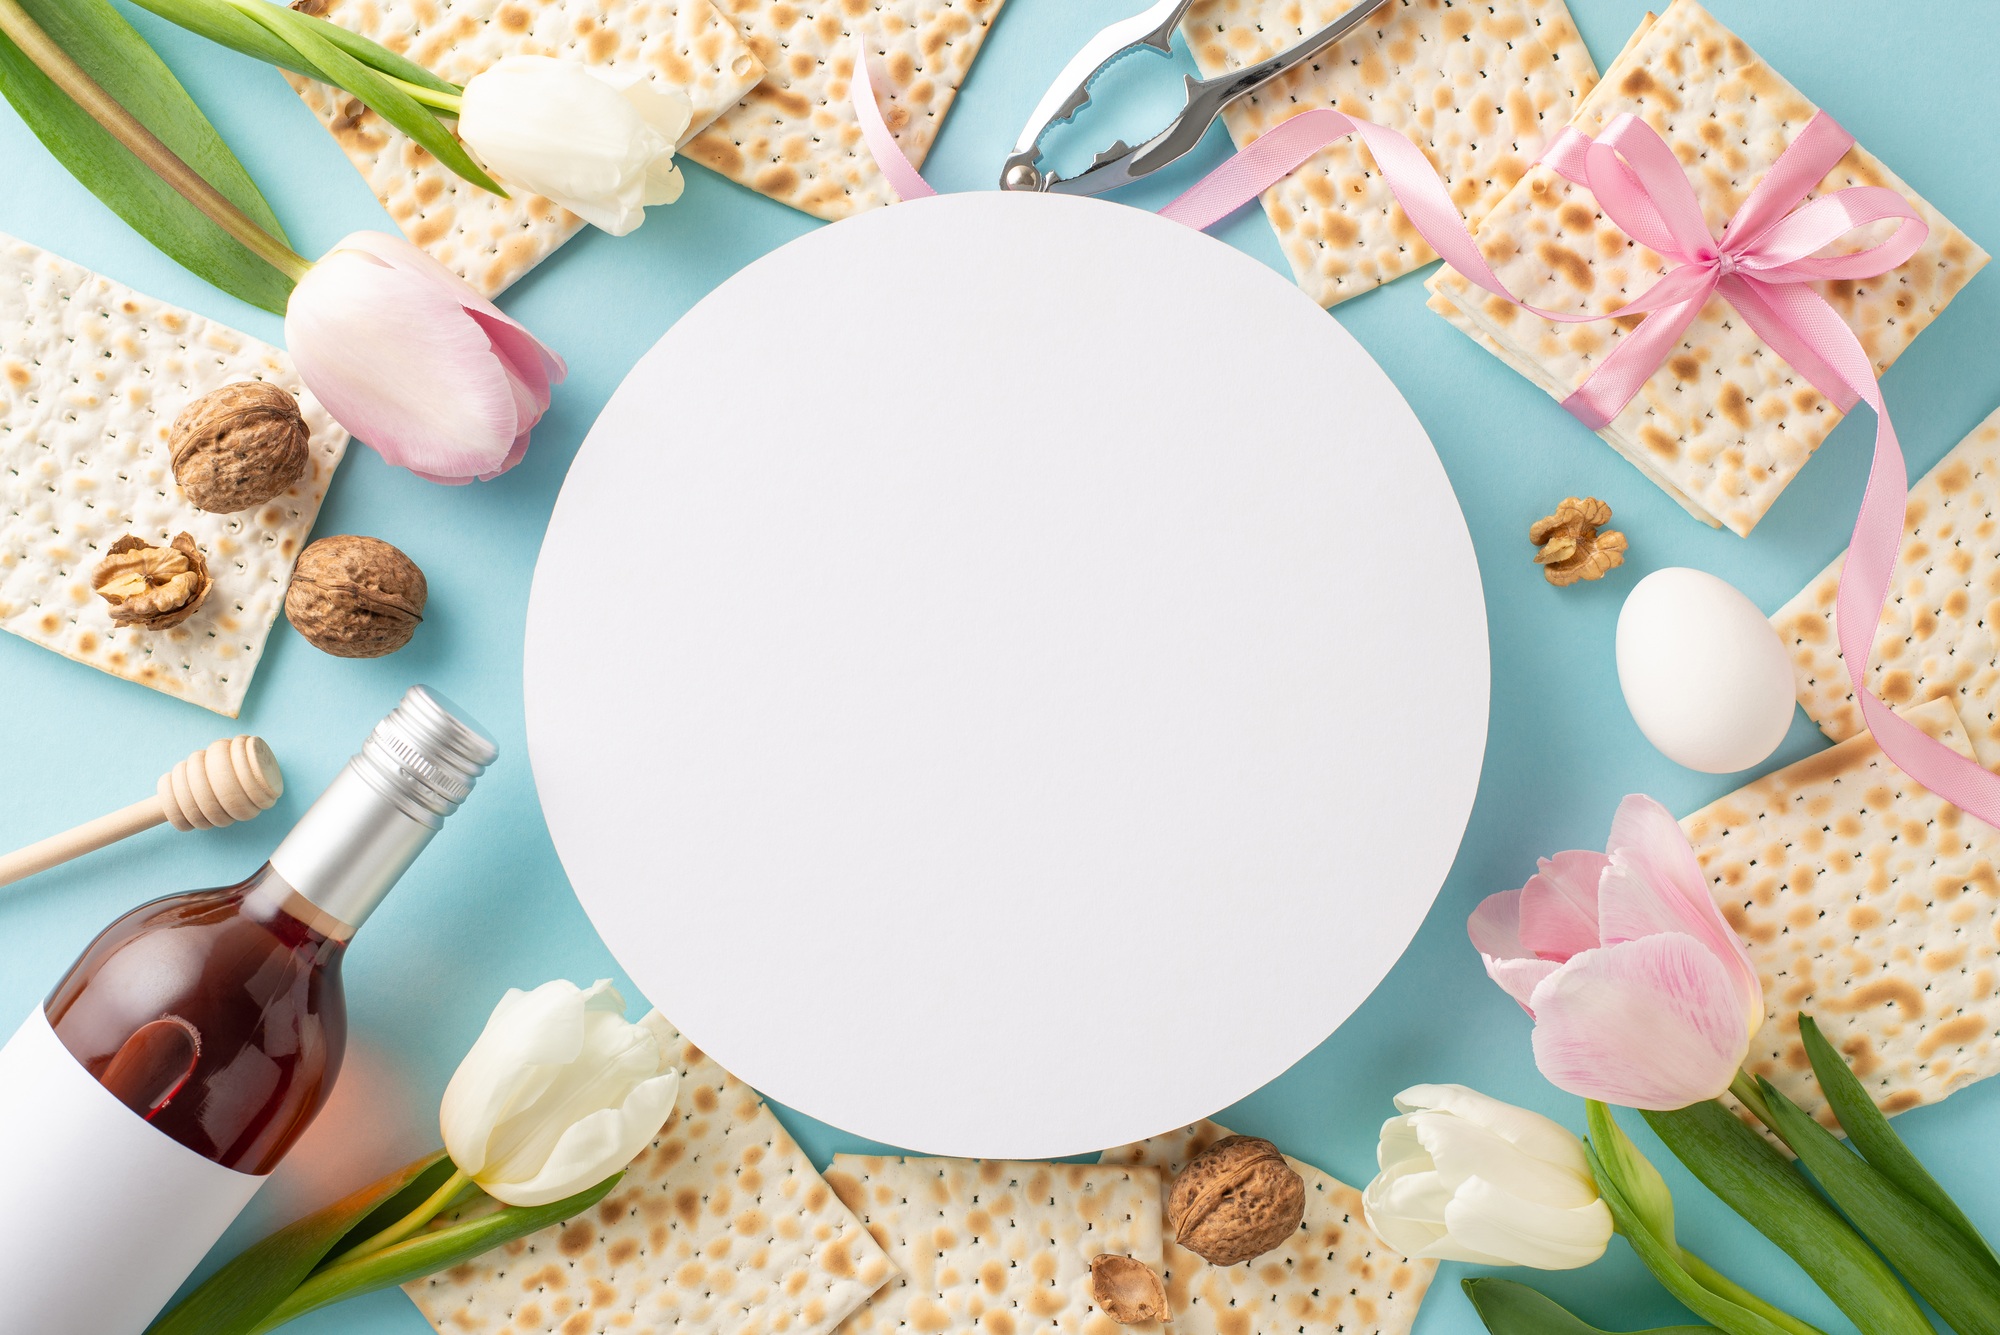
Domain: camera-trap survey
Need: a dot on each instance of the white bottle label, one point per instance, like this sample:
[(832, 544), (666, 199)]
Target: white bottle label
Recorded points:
[(102, 1216)]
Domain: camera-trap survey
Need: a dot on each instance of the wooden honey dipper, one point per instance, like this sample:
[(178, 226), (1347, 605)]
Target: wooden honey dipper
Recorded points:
[(232, 780)]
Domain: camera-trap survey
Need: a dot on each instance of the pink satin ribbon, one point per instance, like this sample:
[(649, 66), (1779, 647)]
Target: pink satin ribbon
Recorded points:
[(1763, 265)]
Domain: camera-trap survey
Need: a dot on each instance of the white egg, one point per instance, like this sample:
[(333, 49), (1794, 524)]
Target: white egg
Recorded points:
[(1705, 675)]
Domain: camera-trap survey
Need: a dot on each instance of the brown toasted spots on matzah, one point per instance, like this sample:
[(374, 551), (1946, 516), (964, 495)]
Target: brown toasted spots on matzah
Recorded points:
[(1334, 1274), (1720, 469), (1477, 87), (1873, 906), (1940, 632), (795, 137), (721, 1227), (97, 374), (487, 240)]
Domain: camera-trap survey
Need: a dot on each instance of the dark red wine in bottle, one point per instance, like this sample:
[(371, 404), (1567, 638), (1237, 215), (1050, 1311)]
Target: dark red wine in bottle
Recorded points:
[(196, 1038)]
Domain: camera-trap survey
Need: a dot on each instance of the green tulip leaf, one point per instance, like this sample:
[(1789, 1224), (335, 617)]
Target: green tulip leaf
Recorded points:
[(237, 1297), (1944, 1267), (427, 1253), (226, 24), (1757, 1182), (1644, 1190), (1670, 1267), (1509, 1308), (1869, 1132), (385, 98), (97, 37)]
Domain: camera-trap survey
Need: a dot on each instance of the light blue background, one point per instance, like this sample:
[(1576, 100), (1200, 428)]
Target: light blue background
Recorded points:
[(489, 908)]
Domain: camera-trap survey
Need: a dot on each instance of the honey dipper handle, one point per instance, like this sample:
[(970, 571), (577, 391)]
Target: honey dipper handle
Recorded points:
[(228, 781), (85, 838)]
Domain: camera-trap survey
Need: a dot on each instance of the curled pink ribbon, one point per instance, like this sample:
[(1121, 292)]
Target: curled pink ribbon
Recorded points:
[(1763, 265)]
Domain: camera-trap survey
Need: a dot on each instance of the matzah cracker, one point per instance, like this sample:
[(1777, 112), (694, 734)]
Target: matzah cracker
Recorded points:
[(92, 375), (489, 241), (721, 1228), (1333, 1275), (997, 1246), (1725, 424), (1871, 905), (1938, 633), (794, 137), (1479, 87)]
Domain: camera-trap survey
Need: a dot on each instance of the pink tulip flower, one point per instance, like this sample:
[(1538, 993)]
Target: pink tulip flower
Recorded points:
[(1641, 993), (416, 364)]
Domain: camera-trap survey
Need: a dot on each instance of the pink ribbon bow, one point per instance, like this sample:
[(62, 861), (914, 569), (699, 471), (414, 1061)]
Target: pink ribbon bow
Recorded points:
[(1763, 265)]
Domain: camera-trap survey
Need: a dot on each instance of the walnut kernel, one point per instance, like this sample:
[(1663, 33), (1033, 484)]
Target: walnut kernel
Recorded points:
[(152, 587), (1235, 1200), (1126, 1290), (1573, 547), (355, 597), (239, 446)]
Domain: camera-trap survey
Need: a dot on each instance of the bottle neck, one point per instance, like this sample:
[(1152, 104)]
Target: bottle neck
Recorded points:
[(350, 848)]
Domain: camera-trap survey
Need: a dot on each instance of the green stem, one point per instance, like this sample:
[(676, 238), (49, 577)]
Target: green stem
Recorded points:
[(1722, 1285), (123, 126), (430, 97), (439, 1201), (1744, 1087)]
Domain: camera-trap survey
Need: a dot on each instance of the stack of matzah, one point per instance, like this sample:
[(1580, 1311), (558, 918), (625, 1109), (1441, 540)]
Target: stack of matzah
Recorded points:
[(1871, 905), (721, 1228), (92, 375), (1333, 1275), (487, 240), (1478, 87), (996, 1246), (1725, 424), (1940, 633)]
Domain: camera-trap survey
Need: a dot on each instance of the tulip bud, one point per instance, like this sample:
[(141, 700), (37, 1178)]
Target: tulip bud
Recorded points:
[(1469, 1178), (601, 145), (559, 1092)]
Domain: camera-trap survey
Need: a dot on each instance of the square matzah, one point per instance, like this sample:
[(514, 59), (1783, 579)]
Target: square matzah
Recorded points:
[(1871, 905), (1333, 1275), (92, 375), (487, 240), (1725, 424), (1940, 633), (794, 137), (1480, 87), (994, 1245), (721, 1228)]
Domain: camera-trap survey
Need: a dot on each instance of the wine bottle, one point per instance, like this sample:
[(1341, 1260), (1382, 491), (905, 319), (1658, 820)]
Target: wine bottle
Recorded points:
[(188, 1048)]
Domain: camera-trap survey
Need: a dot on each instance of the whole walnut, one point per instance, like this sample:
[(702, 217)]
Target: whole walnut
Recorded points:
[(239, 446), (355, 597), (151, 587), (1236, 1199)]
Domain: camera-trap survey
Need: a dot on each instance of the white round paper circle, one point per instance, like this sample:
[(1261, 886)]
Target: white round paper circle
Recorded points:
[(1006, 675)]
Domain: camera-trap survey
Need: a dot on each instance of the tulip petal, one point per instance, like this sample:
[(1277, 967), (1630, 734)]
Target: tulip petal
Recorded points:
[(1533, 1134), (1463, 1151), (527, 1039), (664, 182), (666, 111), (422, 388), (1655, 884), (615, 1058), (1651, 1024), (1559, 904), (1495, 929), (596, 1146), (1483, 1217)]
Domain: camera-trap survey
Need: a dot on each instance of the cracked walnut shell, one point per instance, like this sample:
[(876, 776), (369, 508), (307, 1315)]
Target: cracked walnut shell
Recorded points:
[(1573, 544), (1235, 1200), (239, 446), (152, 587), (1127, 1290), (355, 597)]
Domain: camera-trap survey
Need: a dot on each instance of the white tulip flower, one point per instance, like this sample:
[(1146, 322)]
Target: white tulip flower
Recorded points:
[(559, 1092), (1469, 1178), (599, 144)]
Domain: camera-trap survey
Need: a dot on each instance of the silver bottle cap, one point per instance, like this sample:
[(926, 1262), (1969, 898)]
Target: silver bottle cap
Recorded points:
[(365, 830)]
